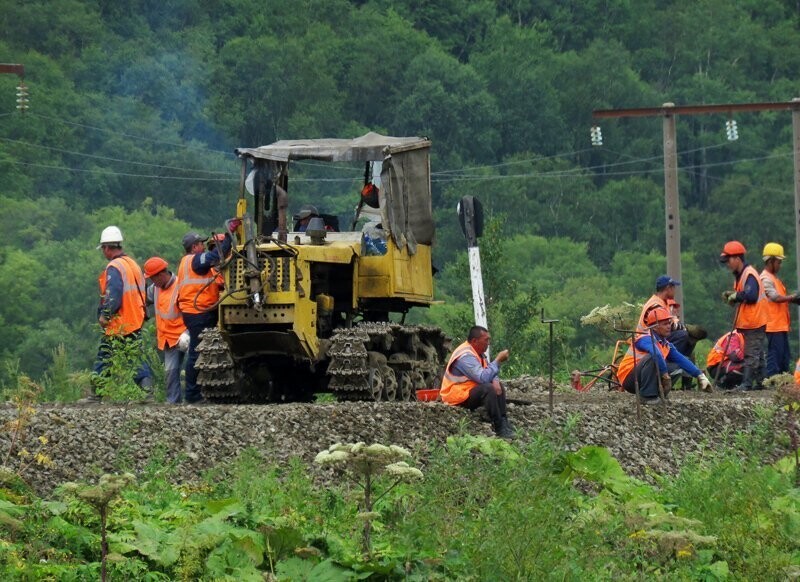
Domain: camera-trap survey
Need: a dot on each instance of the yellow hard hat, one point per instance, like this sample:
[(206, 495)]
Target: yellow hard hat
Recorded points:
[(773, 250)]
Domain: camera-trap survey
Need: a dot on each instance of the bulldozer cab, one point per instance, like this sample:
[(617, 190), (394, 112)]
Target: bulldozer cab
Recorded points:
[(404, 199)]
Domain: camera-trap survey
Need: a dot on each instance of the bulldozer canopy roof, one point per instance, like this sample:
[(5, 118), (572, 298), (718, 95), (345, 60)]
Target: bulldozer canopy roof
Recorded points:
[(369, 147)]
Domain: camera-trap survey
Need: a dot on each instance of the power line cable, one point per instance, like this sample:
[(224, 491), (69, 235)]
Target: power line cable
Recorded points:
[(110, 173), (69, 152), (94, 128)]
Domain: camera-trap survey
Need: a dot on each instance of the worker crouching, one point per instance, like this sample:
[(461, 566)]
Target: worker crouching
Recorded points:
[(646, 360)]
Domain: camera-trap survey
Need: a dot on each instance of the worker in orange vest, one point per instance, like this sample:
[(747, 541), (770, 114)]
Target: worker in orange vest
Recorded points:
[(777, 307), (163, 294), (751, 316), (646, 360), (728, 352), (198, 294), (121, 312), (470, 381)]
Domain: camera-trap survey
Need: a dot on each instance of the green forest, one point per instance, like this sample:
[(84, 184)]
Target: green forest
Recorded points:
[(135, 109)]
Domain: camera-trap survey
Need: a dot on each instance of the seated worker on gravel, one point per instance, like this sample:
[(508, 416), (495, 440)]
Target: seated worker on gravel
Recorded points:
[(470, 381), (651, 353)]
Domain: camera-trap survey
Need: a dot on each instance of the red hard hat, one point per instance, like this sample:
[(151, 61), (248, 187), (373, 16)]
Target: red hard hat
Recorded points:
[(732, 248), (154, 265), (656, 315)]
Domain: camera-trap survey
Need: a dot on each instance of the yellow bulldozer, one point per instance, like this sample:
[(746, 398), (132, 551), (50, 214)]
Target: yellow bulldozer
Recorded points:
[(311, 308)]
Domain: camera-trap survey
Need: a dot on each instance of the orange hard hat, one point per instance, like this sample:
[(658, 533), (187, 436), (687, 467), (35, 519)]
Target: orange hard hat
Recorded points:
[(154, 265), (656, 315), (732, 248)]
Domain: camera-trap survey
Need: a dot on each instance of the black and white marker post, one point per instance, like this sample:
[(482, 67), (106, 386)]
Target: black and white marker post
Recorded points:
[(470, 215)]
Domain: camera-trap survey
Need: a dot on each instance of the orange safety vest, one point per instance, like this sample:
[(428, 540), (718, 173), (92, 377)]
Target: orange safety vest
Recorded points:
[(169, 322), (797, 372), (751, 315), (130, 316), (650, 304), (736, 343), (626, 365), (455, 388), (778, 318), (190, 284)]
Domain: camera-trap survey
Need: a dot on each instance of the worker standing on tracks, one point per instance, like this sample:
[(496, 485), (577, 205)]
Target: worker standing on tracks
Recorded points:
[(650, 354), (470, 381), (198, 294), (751, 312), (777, 308), (121, 312), (163, 294)]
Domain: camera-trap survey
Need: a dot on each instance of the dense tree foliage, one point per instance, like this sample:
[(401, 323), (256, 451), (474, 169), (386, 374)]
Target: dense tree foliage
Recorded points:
[(135, 108)]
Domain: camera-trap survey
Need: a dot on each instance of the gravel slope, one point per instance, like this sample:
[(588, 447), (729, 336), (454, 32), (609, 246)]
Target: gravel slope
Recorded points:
[(85, 442)]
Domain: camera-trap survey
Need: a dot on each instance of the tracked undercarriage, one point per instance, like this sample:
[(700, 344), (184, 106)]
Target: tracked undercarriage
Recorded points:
[(371, 361)]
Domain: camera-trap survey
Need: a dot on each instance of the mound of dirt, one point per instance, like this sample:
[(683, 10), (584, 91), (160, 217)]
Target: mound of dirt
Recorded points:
[(84, 442)]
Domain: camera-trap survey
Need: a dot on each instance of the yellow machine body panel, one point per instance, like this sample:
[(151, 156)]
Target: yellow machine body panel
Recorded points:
[(396, 275)]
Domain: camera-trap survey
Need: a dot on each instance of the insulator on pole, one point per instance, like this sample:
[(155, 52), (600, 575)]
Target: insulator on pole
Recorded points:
[(731, 130), (22, 97), (596, 135)]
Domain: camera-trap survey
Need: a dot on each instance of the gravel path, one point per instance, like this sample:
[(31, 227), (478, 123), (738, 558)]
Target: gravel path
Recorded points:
[(84, 442)]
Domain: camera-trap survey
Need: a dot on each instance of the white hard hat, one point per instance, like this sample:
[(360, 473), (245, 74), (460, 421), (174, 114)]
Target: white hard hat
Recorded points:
[(110, 235)]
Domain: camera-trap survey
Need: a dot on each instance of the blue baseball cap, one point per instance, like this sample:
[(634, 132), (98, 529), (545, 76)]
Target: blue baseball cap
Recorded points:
[(665, 281)]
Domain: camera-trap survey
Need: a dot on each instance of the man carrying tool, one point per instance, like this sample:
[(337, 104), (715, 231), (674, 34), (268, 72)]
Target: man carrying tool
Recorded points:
[(750, 318), (198, 294), (646, 360), (121, 313), (163, 294), (777, 308), (470, 381)]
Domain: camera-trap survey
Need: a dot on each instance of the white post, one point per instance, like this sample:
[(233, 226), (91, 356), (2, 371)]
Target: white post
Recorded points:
[(478, 301)]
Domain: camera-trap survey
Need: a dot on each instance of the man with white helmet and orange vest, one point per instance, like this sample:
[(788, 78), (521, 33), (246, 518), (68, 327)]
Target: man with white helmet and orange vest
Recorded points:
[(470, 381), (198, 294), (751, 312), (646, 360), (121, 312), (777, 307), (163, 294)]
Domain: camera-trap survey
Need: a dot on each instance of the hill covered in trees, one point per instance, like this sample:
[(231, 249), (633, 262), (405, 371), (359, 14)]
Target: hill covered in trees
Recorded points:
[(135, 108)]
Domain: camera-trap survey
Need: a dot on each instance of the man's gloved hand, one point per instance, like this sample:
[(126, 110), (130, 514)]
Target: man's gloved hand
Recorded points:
[(666, 383), (795, 298), (729, 296), (233, 224), (705, 384)]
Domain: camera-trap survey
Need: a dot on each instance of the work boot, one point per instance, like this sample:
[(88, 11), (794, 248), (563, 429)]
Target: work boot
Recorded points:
[(696, 332), (92, 398), (650, 401), (147, 387), (747, 381), (504, 430)]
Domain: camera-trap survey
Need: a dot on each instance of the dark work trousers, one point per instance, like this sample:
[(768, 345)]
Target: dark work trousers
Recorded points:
[(106, 351), (495, 404), (778, 360), (681, 340), (753, 371), (726, 380), (647, 372), (196, 323)]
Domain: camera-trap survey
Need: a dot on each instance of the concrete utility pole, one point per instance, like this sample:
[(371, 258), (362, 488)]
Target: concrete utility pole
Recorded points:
[(671, 200)]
